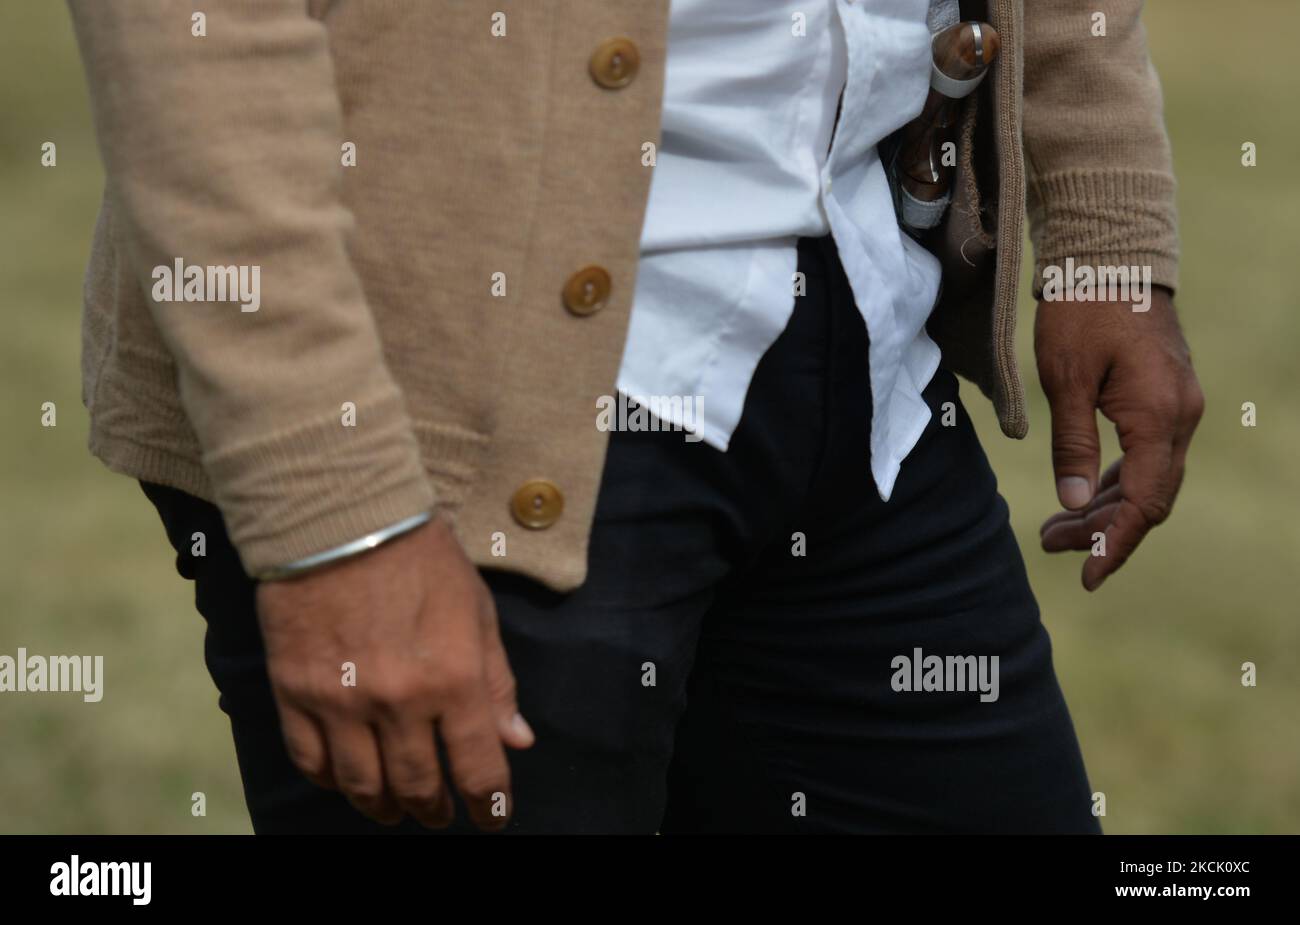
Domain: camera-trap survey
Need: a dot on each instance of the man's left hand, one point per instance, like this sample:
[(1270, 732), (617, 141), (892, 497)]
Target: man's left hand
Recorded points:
[(1136, 368)]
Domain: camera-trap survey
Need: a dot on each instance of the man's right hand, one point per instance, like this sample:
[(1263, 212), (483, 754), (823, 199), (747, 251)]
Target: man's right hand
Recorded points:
[(419, 624)]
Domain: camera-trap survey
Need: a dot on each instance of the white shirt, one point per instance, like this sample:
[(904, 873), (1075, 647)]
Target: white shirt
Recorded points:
[(743, 171)]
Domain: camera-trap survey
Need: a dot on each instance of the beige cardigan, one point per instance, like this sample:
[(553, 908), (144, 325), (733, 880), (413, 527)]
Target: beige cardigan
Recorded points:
[(426, 284)]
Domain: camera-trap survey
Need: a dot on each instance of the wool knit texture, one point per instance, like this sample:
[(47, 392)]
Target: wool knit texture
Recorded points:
[(417, 294)]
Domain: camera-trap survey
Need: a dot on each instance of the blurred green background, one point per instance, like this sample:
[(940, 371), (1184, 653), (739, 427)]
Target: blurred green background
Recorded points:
[(1151, 664)]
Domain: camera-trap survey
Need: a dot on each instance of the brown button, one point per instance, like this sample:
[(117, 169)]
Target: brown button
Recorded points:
[(587, 291), (614, 63), (537, 504)]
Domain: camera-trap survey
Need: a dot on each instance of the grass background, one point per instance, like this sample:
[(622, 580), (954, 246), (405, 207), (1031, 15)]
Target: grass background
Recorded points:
[(1151, 664)]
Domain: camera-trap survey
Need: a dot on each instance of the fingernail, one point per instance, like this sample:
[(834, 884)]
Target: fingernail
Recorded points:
[(1074, 492), (521, 727)]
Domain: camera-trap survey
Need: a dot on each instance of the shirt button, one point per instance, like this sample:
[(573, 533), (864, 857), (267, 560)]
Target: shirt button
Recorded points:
[(614, 63), (587, 291), (537, 504)]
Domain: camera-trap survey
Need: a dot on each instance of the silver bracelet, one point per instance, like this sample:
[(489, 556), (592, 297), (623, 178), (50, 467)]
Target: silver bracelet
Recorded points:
[(369, 541)]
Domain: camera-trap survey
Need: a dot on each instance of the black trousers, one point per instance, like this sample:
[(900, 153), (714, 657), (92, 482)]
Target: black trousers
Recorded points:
[(708, 677)]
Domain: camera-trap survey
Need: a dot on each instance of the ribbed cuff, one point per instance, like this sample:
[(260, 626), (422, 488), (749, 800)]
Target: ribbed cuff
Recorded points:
[(1105, 218), (299, 492)]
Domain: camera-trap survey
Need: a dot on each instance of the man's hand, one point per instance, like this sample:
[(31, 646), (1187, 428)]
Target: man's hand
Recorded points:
[(1134, 367), (418, 623)]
